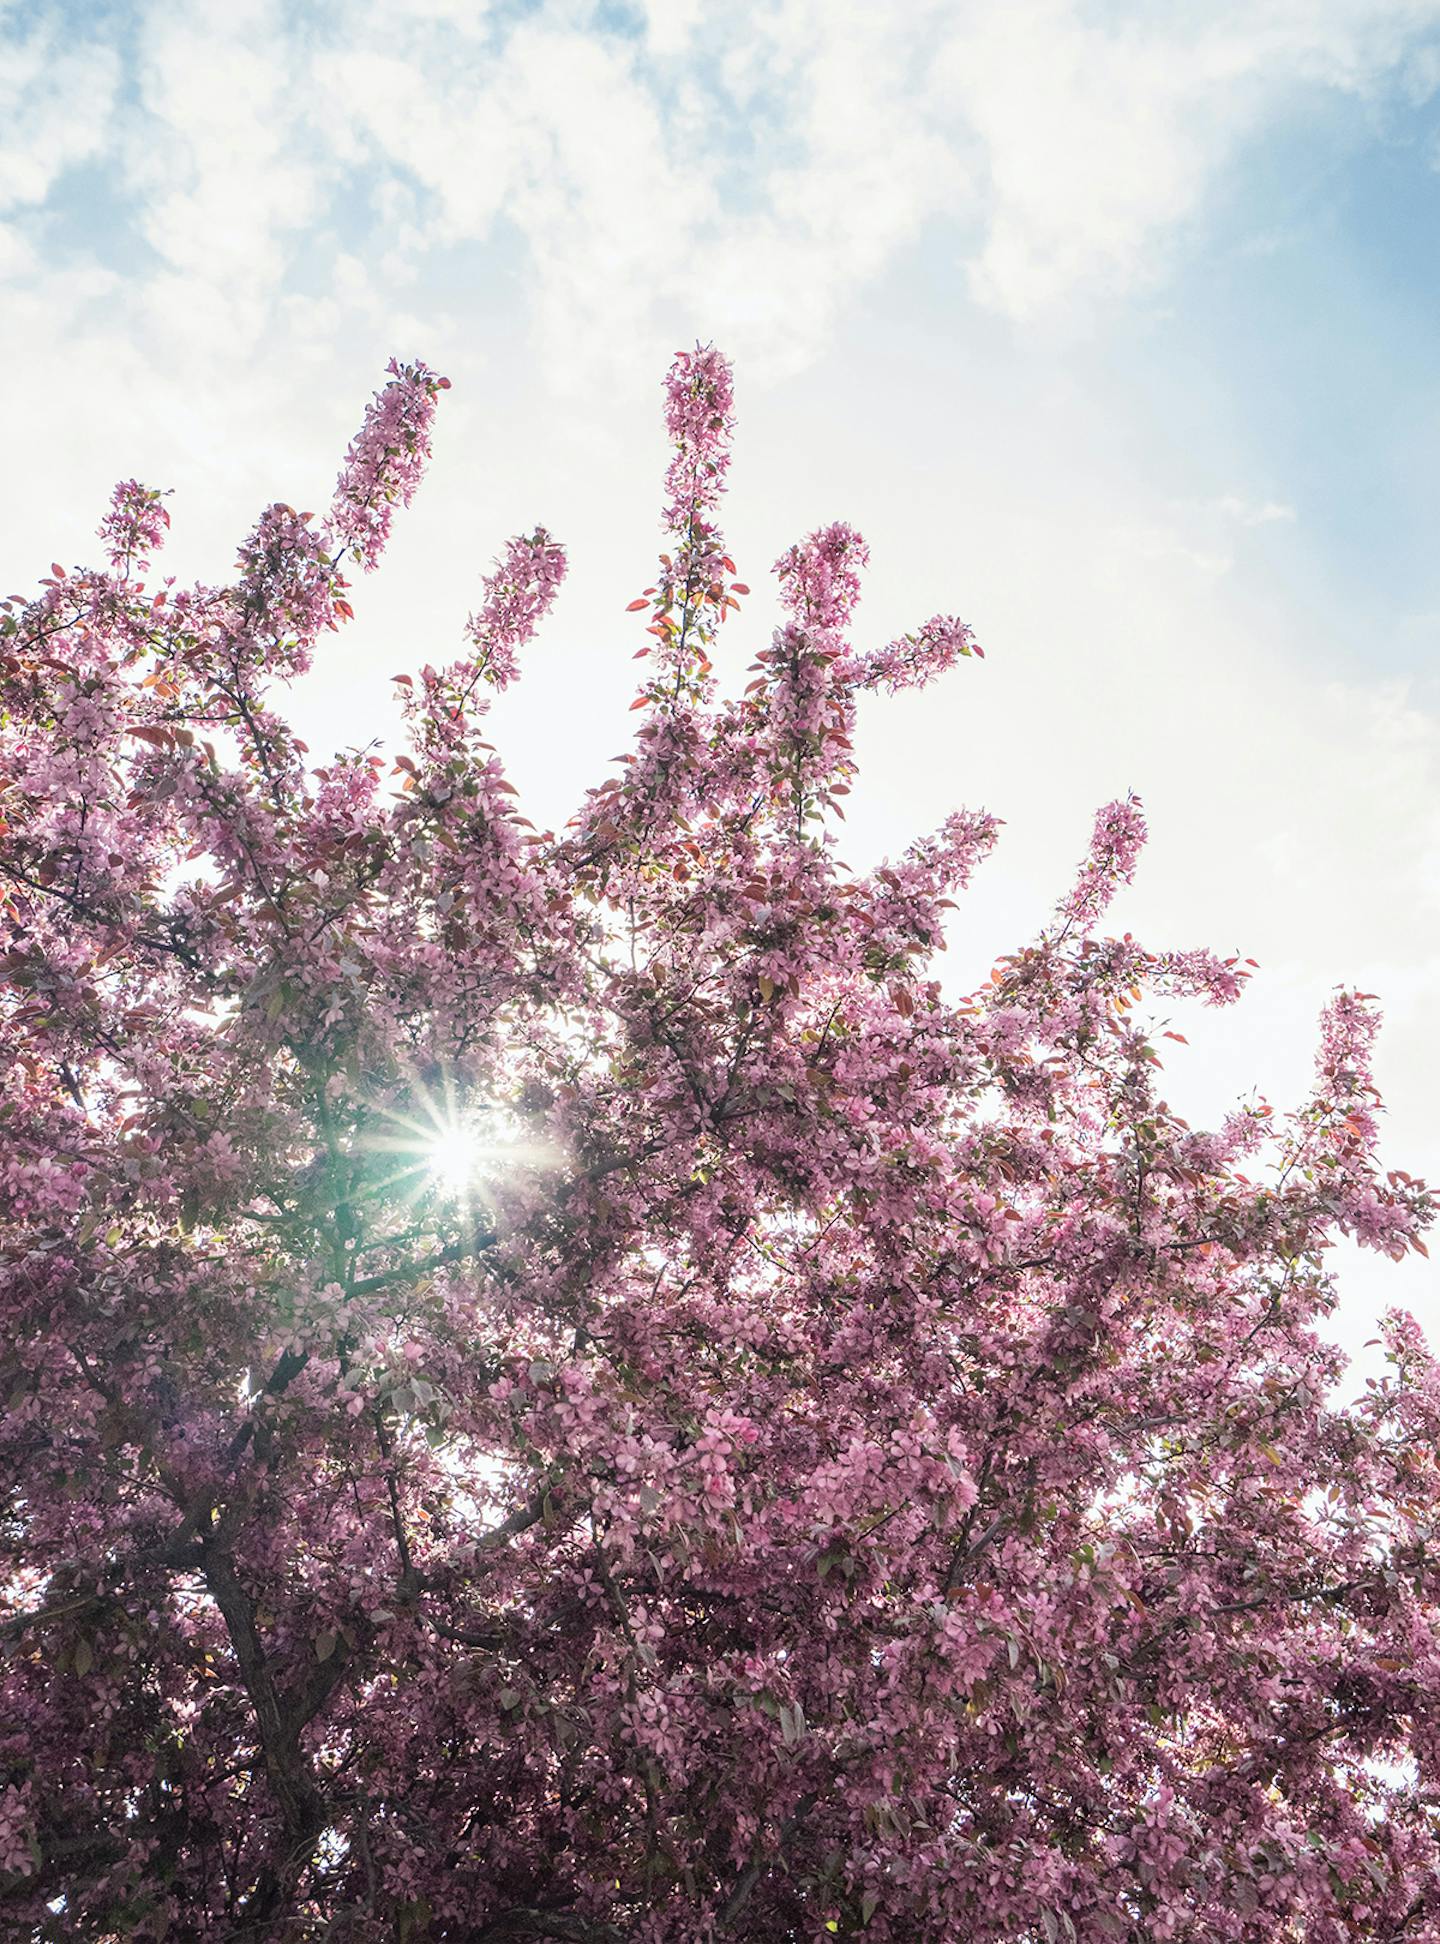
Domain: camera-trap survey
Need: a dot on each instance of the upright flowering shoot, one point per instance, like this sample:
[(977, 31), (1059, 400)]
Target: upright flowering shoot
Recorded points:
[(690, 599), (386, 461), (518, 596), (563, 1387)]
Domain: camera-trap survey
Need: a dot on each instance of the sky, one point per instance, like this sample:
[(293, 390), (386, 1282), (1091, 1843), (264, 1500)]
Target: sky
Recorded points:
[(1114, 327)]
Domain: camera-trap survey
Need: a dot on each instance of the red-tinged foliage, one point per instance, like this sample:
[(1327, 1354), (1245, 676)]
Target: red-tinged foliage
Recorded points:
[(558, 1387)]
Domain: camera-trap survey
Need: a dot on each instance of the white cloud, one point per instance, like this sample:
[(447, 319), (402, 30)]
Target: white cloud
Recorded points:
[(766, 161), (1254, 513), (670, 24), (1102, 134), (222, 185), (1150, 540), (765, 182), (56, 101), (17, 254)]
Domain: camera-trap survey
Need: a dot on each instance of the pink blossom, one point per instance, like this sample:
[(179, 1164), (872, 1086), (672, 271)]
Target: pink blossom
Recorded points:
[(1114, 850), (386, 461), (135, 526), (915, 659), (518, 596)]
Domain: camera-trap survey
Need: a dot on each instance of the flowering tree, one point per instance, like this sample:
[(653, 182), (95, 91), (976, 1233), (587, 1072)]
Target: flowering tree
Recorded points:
[(559, 1387)]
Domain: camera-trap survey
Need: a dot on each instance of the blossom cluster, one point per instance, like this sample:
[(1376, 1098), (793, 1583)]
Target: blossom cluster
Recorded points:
[(386, 461), (134, 528), (518, 596), (912, 660)]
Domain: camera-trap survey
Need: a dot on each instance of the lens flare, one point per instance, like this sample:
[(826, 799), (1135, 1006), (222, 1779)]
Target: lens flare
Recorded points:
[(456, 1155)]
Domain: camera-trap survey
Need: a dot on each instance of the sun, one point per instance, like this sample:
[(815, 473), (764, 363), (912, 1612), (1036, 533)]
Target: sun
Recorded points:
[(456, 1154), (451, 1147), (443, 1147)]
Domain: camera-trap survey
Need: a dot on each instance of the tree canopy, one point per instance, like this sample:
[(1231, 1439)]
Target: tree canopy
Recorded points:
[(561, 1386)]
